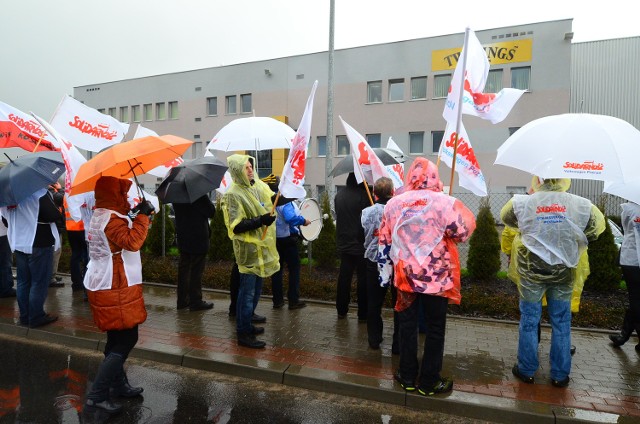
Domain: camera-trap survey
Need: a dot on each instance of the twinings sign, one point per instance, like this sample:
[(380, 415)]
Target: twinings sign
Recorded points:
[(498, 54)]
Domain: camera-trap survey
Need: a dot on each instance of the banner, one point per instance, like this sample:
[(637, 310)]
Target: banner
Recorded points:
[(85, 127), (225, 183), (467, 165), (292, 180), (162, 170), (18, 129), (365, 161), (396, 171)]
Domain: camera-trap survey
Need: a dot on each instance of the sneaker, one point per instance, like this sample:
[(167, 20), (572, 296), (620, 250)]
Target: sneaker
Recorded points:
[(405, 384), (444, 385), (560, 383), (516, 371), (298, 305), (48, 319), (258, 319)]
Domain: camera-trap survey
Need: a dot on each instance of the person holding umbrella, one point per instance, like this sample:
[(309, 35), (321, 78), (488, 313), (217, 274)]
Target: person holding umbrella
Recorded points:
[(246, 207), (113, 282)]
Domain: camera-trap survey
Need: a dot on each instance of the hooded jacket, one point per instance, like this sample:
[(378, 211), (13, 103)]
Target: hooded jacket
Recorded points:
[(349, 203), (418, 236), (122, 306), (242, 206)]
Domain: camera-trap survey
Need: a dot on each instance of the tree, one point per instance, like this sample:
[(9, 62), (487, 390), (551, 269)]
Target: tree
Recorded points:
[(603, 253), (220, 246), (153, 243), (484, 245), (324, 247)]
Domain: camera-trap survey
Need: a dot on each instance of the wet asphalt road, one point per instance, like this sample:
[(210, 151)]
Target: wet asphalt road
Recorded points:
[(44, 383)]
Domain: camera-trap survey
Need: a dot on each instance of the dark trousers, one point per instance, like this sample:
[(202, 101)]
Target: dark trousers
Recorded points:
[(375, 297), (288, 251), (121, 341), (6, 261), (190, 271), (631, 276), (79, 258), (436, 315), (349, 264), (234, 286)]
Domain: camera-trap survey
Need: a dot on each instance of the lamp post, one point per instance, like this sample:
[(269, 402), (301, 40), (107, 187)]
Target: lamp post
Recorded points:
[(328, 184)]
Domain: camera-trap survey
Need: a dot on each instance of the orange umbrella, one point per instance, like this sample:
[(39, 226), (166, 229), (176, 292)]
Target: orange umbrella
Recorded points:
[(128, 159)]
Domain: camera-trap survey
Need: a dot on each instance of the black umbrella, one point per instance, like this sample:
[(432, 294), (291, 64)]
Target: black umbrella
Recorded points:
[(191, 180), (22, 177), (387, 156)]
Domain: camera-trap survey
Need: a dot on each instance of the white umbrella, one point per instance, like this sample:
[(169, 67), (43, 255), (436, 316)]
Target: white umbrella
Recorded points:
[(574, 145), (629, 190), (253, 133)]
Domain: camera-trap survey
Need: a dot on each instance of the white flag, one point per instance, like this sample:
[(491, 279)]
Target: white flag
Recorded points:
[(162, 170), (467, 165), (225, 183), (490, 106), (292, 180), (364, 157), (85, 127), (396, 171)]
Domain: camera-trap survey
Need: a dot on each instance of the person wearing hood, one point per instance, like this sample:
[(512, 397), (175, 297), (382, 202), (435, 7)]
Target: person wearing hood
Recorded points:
[(371, 217), (349, 203), (417, 250), (555, 228), (246, 207), (114, 286)]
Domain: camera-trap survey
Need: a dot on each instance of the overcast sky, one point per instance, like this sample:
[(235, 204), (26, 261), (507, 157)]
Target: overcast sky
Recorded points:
[(49, 47)]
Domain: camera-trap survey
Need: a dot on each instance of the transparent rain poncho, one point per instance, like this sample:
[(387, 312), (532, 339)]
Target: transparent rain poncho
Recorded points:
[(550, 233), (244, 201)]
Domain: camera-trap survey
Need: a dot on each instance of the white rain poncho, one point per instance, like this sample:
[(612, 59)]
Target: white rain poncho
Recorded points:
[(630, 249), (243, 200)]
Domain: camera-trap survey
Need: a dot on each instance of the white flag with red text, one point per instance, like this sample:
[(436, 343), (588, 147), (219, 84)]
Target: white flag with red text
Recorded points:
[(18, 129), (85, 127), (490, 106), (467, 165), (396, 171), (162, 170), (364, 158), (292, 180), (225, 183)]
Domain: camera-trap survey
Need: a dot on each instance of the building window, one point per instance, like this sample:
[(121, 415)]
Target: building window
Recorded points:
[(373, 140), (245, 103), (124, 114), (343, 145), (517, 189), (161, 113), (230, 105), (196, 150), (135, 113), (436, 140), (494, 81), (112, 112), (396, 90), (147, 112), (521, 77), (374, 92), (418, 88), (101, 110), (212, 106), (441, 85), (322, 145), (416, 142), (264, 165), (173, 110)]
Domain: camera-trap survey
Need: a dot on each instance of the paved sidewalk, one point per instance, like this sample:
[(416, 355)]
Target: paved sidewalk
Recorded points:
[(311, 348)]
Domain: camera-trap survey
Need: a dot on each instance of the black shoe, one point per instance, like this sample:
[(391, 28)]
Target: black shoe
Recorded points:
[(232, 314), (298, 305), (77, 288), (182, 306), (374, 346), (619, 339), (258, 319), (106, 405), (572, 351), (249, 340), (48, 319), (342, 316), (202, 306), (560, 383), (279, 305), (256, 330), (361, 320), (405, 384), (444, 385), (516, 371), (10, 293), (127, 391), (55, 283)]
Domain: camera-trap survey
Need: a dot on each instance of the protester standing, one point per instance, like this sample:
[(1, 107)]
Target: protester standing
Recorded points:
[(6, 262), (79, 251)]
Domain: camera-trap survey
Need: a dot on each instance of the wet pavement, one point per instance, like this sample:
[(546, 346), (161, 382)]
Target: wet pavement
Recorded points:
[(311, 348)]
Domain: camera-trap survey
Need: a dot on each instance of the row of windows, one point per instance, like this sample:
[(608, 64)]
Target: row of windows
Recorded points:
[(520, 79), (230, 105), (138, 114)]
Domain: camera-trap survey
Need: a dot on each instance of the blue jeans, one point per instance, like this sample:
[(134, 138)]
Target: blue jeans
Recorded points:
[(559, 308), (248, 297), (6, 276), (34, 274)]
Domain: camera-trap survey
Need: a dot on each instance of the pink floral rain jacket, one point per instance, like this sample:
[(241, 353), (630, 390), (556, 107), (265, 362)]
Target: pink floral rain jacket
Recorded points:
[(418, 236)]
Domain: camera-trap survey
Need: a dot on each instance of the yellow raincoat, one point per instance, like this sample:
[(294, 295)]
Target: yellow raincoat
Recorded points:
[(244, 200), (511, 243)]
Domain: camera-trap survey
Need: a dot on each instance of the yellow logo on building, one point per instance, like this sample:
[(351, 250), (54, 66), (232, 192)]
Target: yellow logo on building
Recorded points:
[(498, 54)]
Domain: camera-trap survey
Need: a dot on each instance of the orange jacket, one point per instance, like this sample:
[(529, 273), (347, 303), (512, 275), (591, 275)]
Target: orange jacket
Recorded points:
[(69, 222), (122, 306)]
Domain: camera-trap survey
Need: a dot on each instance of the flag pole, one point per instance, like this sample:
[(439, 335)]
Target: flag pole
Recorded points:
[(459, 118), (275, 202)]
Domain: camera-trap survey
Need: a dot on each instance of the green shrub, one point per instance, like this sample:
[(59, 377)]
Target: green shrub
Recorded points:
[(153, 244), (220, 246), (484, 245), (603, 259), (324, 247)]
